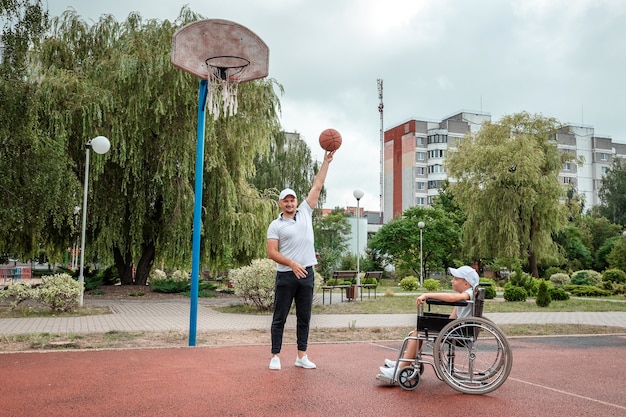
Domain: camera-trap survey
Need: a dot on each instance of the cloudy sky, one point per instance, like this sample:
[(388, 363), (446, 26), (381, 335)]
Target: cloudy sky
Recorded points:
[(560, 58)]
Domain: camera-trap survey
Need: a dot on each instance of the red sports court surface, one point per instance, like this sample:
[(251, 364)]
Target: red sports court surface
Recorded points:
[(558, 376)]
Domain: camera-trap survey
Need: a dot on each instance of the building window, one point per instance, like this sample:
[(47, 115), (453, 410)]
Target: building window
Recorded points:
[(604, 170), (420, 170), (435, 169), (421, 156), (419, 201), (434, 185), (604, 156), (437, 138), (437, 153), (567, 180), (421, 185), (419, 140), (567, 166)]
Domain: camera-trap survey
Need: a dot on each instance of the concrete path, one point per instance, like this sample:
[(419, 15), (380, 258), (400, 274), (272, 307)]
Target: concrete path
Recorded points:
[(174, 315)]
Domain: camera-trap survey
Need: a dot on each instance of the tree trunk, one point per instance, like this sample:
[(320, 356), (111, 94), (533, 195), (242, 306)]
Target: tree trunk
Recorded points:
[(145, 265), (124, 265), (532, 258), (532, 262)]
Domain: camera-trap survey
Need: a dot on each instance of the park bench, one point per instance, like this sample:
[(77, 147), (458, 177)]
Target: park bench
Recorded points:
[(338, 276), (371, 274)]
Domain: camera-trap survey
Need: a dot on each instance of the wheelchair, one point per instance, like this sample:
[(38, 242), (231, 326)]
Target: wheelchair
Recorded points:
[(470, 354)]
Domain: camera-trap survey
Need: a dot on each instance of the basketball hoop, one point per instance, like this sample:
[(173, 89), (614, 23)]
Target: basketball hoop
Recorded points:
[(235, 55), (224, 74)]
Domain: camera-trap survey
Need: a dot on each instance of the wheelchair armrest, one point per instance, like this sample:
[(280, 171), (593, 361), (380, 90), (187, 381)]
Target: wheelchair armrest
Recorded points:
[(433, 301)]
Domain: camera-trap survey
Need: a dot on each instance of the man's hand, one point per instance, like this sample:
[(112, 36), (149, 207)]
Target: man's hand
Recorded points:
[(298, 270)]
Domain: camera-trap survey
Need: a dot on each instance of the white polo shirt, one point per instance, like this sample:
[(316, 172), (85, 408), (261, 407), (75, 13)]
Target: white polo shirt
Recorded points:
[(295, 237)]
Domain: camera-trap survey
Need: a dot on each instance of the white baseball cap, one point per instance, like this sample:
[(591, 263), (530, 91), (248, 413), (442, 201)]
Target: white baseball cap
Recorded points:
[(287, 191), (468, 273)]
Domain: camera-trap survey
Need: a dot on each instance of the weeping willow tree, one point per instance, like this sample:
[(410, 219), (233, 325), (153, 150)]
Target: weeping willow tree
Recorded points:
[(33, 170), (115, 79), (288, 164), (507, 185)]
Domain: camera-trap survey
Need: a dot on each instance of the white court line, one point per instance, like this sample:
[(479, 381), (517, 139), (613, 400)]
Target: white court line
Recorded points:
[(571, 394)]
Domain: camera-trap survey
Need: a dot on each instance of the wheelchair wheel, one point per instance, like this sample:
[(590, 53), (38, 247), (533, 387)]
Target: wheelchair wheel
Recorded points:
[(409, 378), (472, 355)]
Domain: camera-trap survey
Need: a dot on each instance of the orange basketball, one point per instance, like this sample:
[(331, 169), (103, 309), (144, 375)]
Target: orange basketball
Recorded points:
[(330, 140)]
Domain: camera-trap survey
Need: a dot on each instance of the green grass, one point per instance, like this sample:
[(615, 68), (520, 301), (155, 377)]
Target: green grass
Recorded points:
[(406, 304)]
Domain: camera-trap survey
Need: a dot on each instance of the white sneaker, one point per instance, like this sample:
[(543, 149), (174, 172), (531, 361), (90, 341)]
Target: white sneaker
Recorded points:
[(305, 363), (275, 363), (388, 372), (389, 363)]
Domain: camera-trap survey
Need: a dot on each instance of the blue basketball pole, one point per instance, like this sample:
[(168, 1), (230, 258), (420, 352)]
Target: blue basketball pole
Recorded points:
[(197, 214)]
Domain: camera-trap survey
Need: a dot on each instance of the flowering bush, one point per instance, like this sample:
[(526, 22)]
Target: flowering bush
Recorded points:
[(560, 279), (255, 283), (177, 281), (60, 292), (18, 293)]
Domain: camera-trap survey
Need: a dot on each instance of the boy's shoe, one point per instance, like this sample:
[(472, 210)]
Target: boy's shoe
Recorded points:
[(305, 363), (275, 363), (389, 363), (388, 372)]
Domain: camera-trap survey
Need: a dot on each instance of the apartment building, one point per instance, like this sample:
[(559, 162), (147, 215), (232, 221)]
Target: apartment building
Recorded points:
[(415, 149)]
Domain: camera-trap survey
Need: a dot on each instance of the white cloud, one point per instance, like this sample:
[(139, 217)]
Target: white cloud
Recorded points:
[(560, 58)]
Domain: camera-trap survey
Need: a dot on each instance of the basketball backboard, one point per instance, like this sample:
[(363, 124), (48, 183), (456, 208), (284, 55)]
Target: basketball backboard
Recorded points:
[(228, 49)]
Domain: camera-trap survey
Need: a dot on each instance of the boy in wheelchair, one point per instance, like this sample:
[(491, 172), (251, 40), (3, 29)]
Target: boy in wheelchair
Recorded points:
[(464, 281)]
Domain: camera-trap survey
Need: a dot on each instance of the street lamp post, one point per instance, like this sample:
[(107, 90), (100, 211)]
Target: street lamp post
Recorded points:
[(100, 145), (358, 194), (421, 226)]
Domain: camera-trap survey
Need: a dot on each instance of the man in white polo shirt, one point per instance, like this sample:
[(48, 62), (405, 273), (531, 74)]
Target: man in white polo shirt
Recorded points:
[(290, 244)]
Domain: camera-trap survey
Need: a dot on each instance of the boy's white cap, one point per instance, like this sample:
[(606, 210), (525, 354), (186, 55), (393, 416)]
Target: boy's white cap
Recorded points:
[(287, 191), (468, 273)]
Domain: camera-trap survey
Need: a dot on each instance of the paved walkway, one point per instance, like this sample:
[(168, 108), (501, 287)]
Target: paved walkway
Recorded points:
[(143, 315)]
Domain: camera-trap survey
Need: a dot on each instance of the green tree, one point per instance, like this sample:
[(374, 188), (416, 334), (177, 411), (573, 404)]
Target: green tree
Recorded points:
[(577, 255), (287, 164), (617, 257), (507, 185), (398, 241), (612, 193), (331, 233), (34, 181), (115, 79)]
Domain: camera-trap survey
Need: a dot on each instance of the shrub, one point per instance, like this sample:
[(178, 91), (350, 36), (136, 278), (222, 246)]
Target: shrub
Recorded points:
[(93, 281), (614, 275), (60, 292), (490, 290), (176, 283), (18, 293), (531, 285), (345, 282), (559, 279), (331, 281), (255, 283), (543, 295), (558, 294), (587, 291), (109, 275), (369, 281), (586, 277), (513, 293), (553, 270), (431, 284), (409, 283)]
